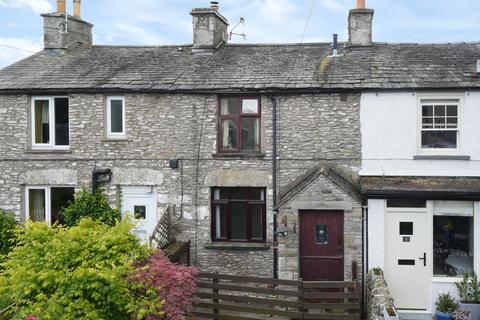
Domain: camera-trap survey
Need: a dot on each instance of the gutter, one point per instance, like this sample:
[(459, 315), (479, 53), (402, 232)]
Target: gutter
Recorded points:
[(274, 186)]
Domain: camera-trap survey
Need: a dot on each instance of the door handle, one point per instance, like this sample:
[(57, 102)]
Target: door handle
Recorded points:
[(424, 259)]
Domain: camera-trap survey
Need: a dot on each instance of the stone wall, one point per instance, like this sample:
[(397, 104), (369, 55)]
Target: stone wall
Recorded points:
[(164, 127), (378, 296)]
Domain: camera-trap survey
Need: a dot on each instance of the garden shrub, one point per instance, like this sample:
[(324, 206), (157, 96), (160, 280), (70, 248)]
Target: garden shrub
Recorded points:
[(59, 273), (95, 206), (8, 225), (176, 284)]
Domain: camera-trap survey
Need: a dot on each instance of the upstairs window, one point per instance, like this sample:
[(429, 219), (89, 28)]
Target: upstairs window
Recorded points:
[(116, 117), (239, 125), (50, 122), (440, 125), (238, 214)]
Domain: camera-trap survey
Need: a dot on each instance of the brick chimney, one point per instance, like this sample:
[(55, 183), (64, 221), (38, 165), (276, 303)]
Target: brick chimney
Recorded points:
[(360, 25), (61, 30), (209, 29)]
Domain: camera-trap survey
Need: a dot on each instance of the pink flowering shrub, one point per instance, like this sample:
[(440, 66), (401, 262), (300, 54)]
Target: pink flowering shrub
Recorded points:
[(174, 283), (31, 318)]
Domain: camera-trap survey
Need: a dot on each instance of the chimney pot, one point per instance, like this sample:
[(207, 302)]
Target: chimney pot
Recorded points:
[(361, 4), (77, 8), (61, 6), (214, 5)]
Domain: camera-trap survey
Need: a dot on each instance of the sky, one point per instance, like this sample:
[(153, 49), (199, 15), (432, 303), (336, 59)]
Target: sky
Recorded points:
[(159, 22)]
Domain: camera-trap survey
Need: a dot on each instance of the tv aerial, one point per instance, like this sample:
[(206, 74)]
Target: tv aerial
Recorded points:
[(232, 33)]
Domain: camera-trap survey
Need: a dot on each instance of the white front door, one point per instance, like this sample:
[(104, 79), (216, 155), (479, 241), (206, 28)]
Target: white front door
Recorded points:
[(407, 264), (141, 204)]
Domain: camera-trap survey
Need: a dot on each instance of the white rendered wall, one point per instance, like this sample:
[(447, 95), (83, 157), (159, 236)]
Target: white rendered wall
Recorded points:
[(376, 234), (390, 124)]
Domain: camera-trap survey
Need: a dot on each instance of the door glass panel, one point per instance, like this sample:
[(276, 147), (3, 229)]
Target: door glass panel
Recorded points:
[(238, 221), (229, 131), (250, 134), (116, 114), (257, 222), (42, 121), (140, 212), (61, 122), (60, 197), (322, 234), (36, 203), (406, 228)]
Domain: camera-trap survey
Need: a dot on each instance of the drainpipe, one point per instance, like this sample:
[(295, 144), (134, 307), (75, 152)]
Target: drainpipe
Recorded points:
[(274, 187), (364, 254)]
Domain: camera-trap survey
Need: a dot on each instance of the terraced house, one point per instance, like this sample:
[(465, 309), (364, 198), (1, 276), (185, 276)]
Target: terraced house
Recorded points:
[(256, 149)]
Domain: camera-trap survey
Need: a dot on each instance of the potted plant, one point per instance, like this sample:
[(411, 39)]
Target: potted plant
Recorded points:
[(446, 306), (469, 293), (389, 313)]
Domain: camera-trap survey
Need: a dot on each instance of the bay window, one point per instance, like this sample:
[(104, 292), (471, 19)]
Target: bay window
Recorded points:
[(239, 124), (45, 203), (238, 214), (50, 122)]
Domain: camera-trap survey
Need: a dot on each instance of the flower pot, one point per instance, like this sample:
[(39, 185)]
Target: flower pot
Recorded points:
[(443, 316), (474, 309)]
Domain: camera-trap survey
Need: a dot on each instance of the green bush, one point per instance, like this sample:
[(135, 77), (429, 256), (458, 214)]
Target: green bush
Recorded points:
[(94, 206), (8, 224), (82, 272), (446, 303)]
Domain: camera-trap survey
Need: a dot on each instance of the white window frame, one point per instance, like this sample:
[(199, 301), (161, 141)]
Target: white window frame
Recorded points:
[(440, 98), (51, 119), (110, 134), (48, 199)]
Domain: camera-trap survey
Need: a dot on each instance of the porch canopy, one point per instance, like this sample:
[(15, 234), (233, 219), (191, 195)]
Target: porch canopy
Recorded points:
[(432, 188)]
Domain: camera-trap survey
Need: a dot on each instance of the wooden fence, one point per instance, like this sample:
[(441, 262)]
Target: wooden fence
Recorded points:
[(228, 297)]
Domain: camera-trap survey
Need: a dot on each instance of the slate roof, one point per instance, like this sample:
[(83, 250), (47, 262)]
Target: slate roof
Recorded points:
[(248, 67), (446, 188)]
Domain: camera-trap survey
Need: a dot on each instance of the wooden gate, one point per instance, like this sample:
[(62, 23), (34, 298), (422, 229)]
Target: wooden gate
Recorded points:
[(228, 297)]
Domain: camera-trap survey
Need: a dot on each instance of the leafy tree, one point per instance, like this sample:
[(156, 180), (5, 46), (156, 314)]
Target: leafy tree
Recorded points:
[(59, 273), (8, 224), (95, 206), (176, 284)]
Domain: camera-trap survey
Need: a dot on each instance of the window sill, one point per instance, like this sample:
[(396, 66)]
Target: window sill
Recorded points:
[(247, 246), (46, 151), (436, 279), (441, 157), (239, 155), (116, 139)]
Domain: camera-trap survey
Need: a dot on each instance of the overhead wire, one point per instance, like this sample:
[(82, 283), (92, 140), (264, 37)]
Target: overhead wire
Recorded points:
[(16, 48)]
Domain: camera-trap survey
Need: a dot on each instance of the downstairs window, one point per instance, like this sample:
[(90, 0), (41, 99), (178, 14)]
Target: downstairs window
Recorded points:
[(45, 204), (238, 214)]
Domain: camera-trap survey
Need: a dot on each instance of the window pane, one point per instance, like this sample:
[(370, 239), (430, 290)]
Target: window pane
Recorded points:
[(116, 114), (36, 203), (406, 228), (322, 234), (229, 130), (452, 111), (60, 197), (239, 221), (427, 123), (406, 203), (439, 139), (250, 134), (42, 121), (221, 223), (257, 194), (250, 106), (61, 122), (439, 123), (239, 193), (452, 245), (427, 111), (257, 222), (452, 123), (231, 106), (439, 111)]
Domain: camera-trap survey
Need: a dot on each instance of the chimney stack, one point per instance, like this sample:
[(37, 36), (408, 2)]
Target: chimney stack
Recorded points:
[(61, 32), (61, 6), (360, 22), (77, 8), (209, 29)]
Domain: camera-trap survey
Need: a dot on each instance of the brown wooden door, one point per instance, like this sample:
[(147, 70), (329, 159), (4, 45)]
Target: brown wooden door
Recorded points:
[(321, 245)]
